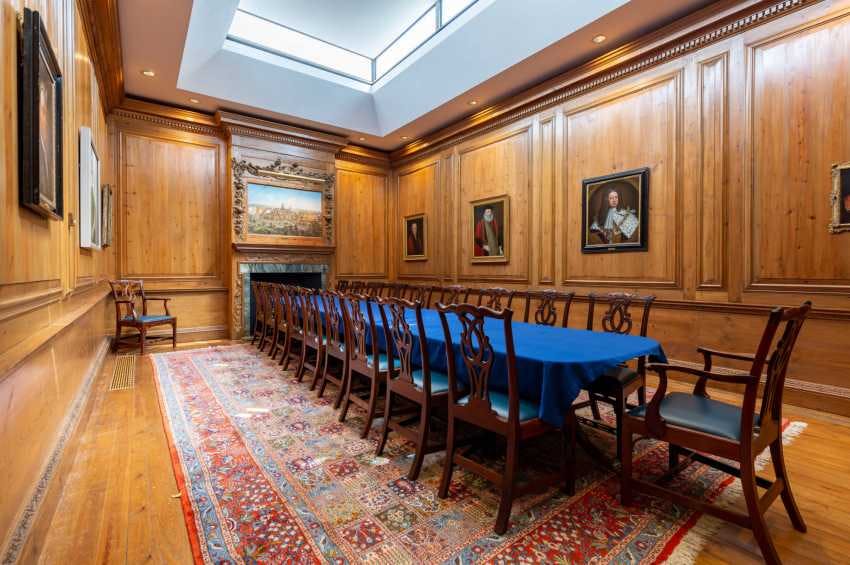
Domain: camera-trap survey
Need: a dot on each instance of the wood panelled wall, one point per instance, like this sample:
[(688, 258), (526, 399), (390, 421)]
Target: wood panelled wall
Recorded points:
[(53, 305), (739, 137), (172, 209)]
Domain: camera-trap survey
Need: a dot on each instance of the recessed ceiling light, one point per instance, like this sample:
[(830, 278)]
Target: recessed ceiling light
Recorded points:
[(148, 73), (194, 101), (473, 102), (599, 38), (405, 137), (362, 138)]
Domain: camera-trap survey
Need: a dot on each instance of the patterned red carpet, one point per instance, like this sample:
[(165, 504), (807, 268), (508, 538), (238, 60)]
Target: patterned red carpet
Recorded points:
[(270, 476)]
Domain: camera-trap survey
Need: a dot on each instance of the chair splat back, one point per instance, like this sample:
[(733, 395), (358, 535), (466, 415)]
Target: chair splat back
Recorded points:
[(126, 292), (362, 330), (546, 313), (313, 321), (334, 328), (618, 317), (496, 298)]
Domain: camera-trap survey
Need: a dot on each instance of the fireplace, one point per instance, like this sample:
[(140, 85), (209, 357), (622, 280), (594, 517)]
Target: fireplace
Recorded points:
[(305, 275)]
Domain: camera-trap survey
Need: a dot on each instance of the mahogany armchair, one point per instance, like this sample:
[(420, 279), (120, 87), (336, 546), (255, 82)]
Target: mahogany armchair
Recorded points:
[(703, 429), (126, 293)]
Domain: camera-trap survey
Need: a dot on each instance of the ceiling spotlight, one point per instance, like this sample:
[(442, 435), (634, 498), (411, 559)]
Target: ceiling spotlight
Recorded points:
[(405, 137), (599, 38), (194, 101), (148, 73), (362, 138), (473, 102)]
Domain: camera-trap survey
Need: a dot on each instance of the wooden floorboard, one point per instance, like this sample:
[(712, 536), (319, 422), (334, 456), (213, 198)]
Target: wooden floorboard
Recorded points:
[(117, 505)]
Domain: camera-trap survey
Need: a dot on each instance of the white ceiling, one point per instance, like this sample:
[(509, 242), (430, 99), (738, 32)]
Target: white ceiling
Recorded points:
[(362, 26), (495, 49)]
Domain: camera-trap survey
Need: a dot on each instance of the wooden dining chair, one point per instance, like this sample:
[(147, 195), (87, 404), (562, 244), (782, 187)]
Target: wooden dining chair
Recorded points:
[(368, 368), (126, 293), (342, 285), (259, 314), (282, 319), (616, 385), (335, 368), (496, 298), (274, 299), (291, 350), (503, 413), (703, 429), (413, 380), (269, 319), (547, 307), (419, 293), (313, 349), (454, 294)]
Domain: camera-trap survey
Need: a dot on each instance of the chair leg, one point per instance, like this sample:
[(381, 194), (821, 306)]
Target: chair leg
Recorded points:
[(374, 391), (672, 456), (344, 376), (757, 522), (142, 335), (568, 452), (641, 393), (778, 459), (422, 446), (346, 396), (508, 481), (299, 370), (594, 408), (448, 465), (385, 429), (323, 382), (284, 357), (174, 335), (626, 466), (319, 371), (619, 410)]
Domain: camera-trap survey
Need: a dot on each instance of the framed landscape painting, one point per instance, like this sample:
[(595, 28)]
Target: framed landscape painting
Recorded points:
[(415, 240), (490, 229), (284, 211), (615, 212), (40, 92)]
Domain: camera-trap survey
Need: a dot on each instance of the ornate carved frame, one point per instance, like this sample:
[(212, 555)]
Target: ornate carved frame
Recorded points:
[(280, 171), (835, 225)]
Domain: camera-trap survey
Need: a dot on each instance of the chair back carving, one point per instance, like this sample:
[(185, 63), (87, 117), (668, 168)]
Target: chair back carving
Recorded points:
[(476, 352), (496, 298), (277, 311), (294, 310), (362, 331), (312, 316), (454, 294), (397, 332), (546, 312), (126, 292), (334, 325), (341, 285), (617, 318)]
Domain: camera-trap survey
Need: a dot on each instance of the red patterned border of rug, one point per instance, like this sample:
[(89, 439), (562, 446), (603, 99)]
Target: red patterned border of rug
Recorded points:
[(269, 475)]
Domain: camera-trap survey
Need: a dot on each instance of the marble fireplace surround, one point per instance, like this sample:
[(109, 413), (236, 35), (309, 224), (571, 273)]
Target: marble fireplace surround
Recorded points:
[(242, 299)]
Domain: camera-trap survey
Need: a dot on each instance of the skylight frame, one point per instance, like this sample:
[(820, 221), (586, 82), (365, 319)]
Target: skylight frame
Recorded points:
[(437, 6)]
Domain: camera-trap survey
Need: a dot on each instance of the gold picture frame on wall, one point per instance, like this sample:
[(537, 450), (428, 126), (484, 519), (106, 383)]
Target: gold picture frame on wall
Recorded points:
[(490, 229), (840, 198), (415, 242)]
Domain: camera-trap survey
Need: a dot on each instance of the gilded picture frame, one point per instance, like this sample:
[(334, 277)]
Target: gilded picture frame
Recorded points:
[(490, 238), (840, 198), (615, 212), (415, 240)]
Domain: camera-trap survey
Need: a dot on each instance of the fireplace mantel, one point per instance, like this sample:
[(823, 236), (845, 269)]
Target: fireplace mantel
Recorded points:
[(243, 247)]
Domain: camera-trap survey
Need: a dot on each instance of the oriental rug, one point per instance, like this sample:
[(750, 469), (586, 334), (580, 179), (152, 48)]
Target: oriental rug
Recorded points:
[(269, 475)]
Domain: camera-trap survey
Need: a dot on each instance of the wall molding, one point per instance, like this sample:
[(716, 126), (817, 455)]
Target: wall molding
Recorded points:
[(17, 299), (598, 73)]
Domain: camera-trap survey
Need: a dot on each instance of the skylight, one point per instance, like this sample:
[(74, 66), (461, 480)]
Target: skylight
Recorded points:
[(254, 30)]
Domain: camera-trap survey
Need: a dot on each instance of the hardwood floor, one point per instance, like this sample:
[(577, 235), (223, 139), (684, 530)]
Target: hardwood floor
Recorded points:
[(118, 504)]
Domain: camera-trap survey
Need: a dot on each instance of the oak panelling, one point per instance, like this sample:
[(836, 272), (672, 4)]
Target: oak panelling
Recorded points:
[(495, 166), (546, 202), (361, 225), (799, 116), (638, 127), (416, 193), (711, 195), (171, 209)]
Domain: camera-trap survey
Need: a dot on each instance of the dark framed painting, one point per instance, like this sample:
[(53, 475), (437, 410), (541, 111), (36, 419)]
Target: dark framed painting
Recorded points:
[(40, 98), (615, 212), (284, 211), (415, 240), (840, 217), (490, 229)]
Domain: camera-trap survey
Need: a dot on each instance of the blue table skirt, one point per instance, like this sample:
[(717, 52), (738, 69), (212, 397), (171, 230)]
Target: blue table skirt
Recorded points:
[(553, 363)]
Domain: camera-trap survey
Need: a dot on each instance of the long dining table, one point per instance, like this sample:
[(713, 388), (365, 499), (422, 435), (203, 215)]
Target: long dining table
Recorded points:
[(553, 363)]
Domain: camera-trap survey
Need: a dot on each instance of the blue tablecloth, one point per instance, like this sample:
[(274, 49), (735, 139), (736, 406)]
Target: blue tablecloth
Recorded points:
[(553, 363)]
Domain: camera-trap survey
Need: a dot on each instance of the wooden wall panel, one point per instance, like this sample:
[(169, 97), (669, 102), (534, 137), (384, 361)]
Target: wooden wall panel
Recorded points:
[(546, 201), (627, 130), (361, 226), (800, 126), (416, 194), (491, 167)]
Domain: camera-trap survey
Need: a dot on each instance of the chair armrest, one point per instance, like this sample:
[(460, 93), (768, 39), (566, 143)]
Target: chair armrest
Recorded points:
[(734, 377), (162, 299), (708, 352), (149, 298)]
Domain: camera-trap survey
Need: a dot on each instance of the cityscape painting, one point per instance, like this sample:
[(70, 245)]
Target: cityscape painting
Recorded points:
[(290, 212)]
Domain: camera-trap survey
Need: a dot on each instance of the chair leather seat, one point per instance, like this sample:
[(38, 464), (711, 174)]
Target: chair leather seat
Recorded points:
[(439, 381), (698, 413), (146, 319), (499, 403)]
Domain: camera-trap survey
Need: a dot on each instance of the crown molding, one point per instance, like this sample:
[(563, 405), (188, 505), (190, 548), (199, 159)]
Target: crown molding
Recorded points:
[(249, 126), (671, 42), (101, 28), (363, 155), (167, 116)]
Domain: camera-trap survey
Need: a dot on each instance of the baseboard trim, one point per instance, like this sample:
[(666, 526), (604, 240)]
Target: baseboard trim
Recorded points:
[(26, 518)]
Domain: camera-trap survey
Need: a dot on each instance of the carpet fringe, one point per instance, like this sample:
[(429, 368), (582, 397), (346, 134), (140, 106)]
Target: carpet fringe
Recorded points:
[(694, 541)]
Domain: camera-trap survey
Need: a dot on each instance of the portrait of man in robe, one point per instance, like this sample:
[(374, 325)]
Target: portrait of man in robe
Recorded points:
[(490, 226), (414, 227), (615, 212)]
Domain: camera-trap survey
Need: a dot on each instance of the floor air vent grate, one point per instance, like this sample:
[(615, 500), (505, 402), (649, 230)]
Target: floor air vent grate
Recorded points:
[(124, 374)]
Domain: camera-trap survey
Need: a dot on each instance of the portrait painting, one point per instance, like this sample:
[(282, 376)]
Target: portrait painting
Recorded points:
[(614, 212), (90, 213), (284, 211), (840, 221), (40, 121), (490, 222), (415, 242)]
